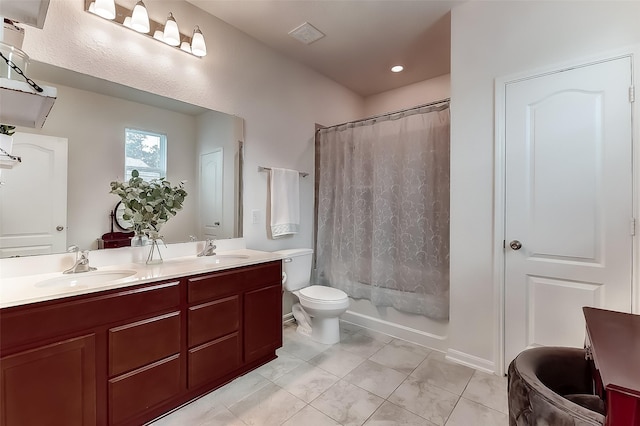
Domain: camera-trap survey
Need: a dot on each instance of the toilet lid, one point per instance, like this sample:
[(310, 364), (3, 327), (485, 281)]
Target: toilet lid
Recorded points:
[(322, 293)]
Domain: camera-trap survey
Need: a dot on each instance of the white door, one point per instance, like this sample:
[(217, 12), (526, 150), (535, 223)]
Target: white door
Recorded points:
[(33, 198), (568, 202), (211, 180)]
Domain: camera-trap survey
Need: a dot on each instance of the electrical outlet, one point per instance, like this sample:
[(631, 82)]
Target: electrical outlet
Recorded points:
[(255, 217)]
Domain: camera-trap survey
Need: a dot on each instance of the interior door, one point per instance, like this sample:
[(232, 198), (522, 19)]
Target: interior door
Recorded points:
[(211, 187), (568, 227), (33, 198)]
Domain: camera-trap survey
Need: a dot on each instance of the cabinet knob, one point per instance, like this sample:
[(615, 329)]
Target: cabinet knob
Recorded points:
[(59, 228)]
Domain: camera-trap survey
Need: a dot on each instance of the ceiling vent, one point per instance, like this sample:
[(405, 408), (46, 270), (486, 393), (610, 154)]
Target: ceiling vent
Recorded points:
[(306, 33)]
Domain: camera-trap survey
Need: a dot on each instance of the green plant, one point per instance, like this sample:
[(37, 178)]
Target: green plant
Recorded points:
[(7, 130), (149, 204)]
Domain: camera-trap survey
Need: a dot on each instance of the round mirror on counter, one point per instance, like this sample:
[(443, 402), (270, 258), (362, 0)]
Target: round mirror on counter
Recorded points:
[(118, 213)]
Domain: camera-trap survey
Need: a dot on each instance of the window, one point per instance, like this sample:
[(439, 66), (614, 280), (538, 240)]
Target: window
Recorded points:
[(145, 152)]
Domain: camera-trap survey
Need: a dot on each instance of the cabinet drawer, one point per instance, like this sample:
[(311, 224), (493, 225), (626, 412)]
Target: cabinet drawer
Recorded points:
[(224, 283), (213, 360), (139, 390), (213, 320), (143, 342), (32, 323)]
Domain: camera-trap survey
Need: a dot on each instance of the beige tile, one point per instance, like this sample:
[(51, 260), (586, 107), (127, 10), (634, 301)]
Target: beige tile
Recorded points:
[(309, 416), (391, 415), (375, 378), (360, 344), (412, 347), (398, 357), (238, 389), (337, 361), (489, 390), (470, 413), (384, 338), (302, 346), (307, 382), (211, 416), (347, 404), (279, 366), (437, 371), (269, 406), (350, 328), (430, 402)]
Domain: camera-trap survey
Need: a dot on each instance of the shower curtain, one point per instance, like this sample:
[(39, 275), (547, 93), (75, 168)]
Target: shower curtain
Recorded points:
[(383, 210)]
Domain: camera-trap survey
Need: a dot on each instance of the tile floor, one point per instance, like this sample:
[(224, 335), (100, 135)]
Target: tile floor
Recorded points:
[(367, 379)]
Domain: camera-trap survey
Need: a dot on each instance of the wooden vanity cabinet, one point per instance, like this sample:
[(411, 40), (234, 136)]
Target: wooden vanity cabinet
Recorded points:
[(125, 357), (223, 328)]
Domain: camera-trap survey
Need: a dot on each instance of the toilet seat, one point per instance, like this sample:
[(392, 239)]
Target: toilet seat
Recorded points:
[(323, 298), (321, 293)]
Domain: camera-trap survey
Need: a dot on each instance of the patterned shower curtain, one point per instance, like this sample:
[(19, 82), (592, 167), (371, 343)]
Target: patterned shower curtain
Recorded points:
[(383, 210)]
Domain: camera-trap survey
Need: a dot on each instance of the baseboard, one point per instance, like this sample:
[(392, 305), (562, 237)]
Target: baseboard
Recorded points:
[(419, 337), (471, 361), (287, 318)]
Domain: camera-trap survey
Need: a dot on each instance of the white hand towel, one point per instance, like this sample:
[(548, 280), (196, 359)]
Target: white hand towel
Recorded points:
[(285, 202)]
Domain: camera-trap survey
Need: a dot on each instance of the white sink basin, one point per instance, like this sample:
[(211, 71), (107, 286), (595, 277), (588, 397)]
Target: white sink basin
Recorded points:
[(85, 279)]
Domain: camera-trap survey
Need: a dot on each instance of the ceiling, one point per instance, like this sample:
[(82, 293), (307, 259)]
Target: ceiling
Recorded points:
[(364, 38)]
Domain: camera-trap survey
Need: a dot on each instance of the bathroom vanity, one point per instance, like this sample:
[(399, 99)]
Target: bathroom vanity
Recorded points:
[(126, 355)]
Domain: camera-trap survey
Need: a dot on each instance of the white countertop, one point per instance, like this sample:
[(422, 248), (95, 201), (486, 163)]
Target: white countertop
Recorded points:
[(25, 289)]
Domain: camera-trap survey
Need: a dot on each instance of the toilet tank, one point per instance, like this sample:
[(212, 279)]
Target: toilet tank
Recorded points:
[(296, 264)]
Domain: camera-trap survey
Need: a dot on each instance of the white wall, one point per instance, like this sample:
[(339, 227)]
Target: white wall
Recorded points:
[(279, 99), (490, 40), (422, 92)]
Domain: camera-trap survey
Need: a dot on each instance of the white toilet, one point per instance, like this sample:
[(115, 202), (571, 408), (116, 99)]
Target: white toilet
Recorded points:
[(323, 304)]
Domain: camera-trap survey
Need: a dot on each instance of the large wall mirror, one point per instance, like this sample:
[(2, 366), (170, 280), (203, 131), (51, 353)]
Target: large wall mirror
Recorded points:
[(82, 145)]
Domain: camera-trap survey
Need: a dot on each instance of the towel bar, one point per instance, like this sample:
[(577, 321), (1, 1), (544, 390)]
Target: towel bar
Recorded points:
[(264, 169)]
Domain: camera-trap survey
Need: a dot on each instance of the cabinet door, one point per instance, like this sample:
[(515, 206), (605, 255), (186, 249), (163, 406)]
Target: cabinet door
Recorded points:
[(262, 322), (50, 385)]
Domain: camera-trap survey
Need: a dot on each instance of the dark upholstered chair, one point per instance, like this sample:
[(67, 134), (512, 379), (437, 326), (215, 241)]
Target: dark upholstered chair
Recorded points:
[(551, 386)]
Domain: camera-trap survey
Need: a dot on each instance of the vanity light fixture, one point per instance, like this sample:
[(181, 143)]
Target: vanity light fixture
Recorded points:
[(105, 8), (137, 19), (397, 68), (186, 47), (140, 18), (171, 32), (198, 46)]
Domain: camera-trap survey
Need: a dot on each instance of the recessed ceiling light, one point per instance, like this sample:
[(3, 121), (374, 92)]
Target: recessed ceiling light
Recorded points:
[(397, 68)]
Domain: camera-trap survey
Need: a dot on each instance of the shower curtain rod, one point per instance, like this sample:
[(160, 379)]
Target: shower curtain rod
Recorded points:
[(388, 114)]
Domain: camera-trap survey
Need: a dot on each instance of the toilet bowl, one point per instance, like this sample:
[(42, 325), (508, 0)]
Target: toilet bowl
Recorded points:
[(323, 304)]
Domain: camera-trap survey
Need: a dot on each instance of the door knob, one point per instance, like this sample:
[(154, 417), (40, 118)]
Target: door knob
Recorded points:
[(59, 228), (515, 245)]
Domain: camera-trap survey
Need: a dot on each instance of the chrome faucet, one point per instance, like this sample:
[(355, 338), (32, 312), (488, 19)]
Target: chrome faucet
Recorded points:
[(208, 249), (82, 261)]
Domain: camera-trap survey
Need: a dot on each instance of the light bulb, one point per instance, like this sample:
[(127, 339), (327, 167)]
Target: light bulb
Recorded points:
[(105, 8), (127, 22), (198, 46), (171, 32), (185, 46), (158, 35), (140, 18)]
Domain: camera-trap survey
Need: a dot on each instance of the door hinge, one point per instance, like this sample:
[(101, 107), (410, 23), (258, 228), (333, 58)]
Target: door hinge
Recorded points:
[(632, 93), (633, 226)]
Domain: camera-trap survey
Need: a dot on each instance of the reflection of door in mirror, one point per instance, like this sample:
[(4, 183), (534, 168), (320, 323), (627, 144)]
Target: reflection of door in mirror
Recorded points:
[(211, 187), (33, 201)]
